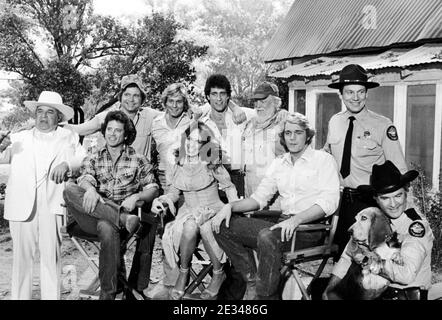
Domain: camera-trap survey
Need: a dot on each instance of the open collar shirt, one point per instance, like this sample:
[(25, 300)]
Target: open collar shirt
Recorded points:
[(312, 179), (131, 173), (230, 138)]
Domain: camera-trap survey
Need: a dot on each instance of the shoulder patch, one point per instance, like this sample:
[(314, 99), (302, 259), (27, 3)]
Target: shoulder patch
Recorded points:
[(392, 133), (412, 214), (416, 229)]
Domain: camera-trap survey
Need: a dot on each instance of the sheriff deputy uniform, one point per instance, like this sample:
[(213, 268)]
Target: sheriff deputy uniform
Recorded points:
[(362, 140)]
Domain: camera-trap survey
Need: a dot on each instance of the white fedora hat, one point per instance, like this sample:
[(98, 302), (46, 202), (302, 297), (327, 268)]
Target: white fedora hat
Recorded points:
[(51, 99)]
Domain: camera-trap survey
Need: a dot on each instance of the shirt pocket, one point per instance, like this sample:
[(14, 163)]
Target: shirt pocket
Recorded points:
[(103, 176), (367, 148), (127, 176)]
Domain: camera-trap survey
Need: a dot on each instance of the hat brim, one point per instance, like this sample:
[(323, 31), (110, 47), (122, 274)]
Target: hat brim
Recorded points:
[(259, 96), (339, 85), (144, 96), (66, 111), (404, 179)]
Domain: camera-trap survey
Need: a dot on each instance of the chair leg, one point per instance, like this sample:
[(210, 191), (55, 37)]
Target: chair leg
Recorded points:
[(301, 286), (90, 261), (317, 274), (198, 279)]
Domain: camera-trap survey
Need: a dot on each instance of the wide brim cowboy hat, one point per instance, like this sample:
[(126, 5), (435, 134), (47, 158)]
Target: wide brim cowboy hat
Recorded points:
[(51, 99), (387, 178), (353, 74)]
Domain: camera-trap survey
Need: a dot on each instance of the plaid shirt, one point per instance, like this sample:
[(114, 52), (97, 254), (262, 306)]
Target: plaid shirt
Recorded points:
[(132, 173)]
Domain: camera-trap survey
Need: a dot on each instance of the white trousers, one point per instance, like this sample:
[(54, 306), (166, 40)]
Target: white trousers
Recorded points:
[(42, 229)]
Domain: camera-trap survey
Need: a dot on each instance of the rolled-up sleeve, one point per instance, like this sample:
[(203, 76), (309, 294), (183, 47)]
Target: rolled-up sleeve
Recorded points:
[(88, 172), (329, 187), (267, 187), (146, 174)]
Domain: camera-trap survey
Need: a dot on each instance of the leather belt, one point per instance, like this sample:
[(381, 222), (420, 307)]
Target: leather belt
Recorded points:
[(412, 293)]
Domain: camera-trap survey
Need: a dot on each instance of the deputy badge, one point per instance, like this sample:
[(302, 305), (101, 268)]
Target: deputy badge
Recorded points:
[(392, 133), (417, 229)]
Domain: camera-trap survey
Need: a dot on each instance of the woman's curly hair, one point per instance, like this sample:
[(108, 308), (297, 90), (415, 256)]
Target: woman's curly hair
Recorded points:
[(210, 150), (130, 132)]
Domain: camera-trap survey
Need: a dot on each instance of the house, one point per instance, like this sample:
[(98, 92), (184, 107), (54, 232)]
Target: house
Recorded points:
[(399, 42)]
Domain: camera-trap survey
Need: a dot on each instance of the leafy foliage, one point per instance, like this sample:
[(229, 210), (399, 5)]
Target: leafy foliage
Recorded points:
[(236, 31), (62, 46), (430, 203)]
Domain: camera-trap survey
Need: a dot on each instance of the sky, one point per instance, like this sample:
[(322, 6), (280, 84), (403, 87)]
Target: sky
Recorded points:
[(133, 8)]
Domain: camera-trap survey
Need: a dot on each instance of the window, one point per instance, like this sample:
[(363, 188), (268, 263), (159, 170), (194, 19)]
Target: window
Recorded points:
[(300, 101), (421, 100), (381, 101), (327, 105)]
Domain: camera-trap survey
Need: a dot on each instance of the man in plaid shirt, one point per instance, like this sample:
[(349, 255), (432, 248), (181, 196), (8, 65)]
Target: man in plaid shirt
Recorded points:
[(111, 183)]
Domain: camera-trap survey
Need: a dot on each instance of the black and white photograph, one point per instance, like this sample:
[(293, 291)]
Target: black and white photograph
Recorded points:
[(215, 152)]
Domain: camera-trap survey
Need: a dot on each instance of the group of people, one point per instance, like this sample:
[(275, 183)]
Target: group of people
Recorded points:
[(207, 166)]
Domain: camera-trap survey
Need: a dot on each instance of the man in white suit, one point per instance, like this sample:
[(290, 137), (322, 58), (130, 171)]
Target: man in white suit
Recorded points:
[(41, 159)]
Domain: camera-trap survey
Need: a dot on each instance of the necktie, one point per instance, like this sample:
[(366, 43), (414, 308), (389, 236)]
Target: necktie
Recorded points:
[(346, 155)]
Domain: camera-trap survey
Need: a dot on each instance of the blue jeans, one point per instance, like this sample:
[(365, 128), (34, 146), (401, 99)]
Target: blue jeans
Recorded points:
[(244, 234), (104, 223)]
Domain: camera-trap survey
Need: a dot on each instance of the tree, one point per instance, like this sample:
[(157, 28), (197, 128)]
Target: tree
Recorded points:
[(61, 45), (237, 32)]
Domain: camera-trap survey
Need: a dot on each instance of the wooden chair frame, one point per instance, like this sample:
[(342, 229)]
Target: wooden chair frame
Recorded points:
[(320, 252)]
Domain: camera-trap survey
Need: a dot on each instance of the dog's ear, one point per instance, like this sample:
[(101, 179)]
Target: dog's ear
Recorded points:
[(380, 230)]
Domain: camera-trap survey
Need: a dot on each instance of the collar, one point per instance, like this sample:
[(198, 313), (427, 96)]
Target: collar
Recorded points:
[(358, 116), (39, 134), (308, 154), (162, 119), (137, 115), (127, 149)]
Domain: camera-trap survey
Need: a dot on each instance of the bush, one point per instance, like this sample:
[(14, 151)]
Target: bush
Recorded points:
[(430, 203)]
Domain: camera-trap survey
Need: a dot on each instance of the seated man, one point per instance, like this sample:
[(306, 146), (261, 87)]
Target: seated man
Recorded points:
[(308, 183), (411, 276), (112, 181)]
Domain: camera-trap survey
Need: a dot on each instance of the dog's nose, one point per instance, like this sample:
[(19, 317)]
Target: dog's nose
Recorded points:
[(350, 230)]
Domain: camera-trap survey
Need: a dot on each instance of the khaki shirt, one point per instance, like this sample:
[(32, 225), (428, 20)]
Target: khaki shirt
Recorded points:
[(374, 141), (416, 239)]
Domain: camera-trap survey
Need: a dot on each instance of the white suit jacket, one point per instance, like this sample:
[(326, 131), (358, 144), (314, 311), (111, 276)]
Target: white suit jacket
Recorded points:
[(22, 185)]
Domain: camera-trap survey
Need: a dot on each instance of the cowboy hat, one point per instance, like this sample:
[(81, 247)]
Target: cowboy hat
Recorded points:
[(51, 99), (132, 79), (353, 74), (386, 178)]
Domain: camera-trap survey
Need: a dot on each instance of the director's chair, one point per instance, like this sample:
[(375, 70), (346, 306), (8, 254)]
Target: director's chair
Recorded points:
[(72, 230), (322, 252)]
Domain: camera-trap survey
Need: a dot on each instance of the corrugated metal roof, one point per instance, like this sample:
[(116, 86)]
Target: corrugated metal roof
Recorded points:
[(318, 27), (429, 53)]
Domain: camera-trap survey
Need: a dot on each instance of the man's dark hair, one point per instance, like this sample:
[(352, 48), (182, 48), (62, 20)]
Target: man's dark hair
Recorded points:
[(217, 81), (129, 128)]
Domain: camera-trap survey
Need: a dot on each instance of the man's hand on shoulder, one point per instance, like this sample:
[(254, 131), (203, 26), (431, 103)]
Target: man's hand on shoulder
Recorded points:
[(239, 116)]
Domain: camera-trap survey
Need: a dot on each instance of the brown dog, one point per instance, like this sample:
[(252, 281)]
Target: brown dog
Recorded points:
[(372, 241)]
